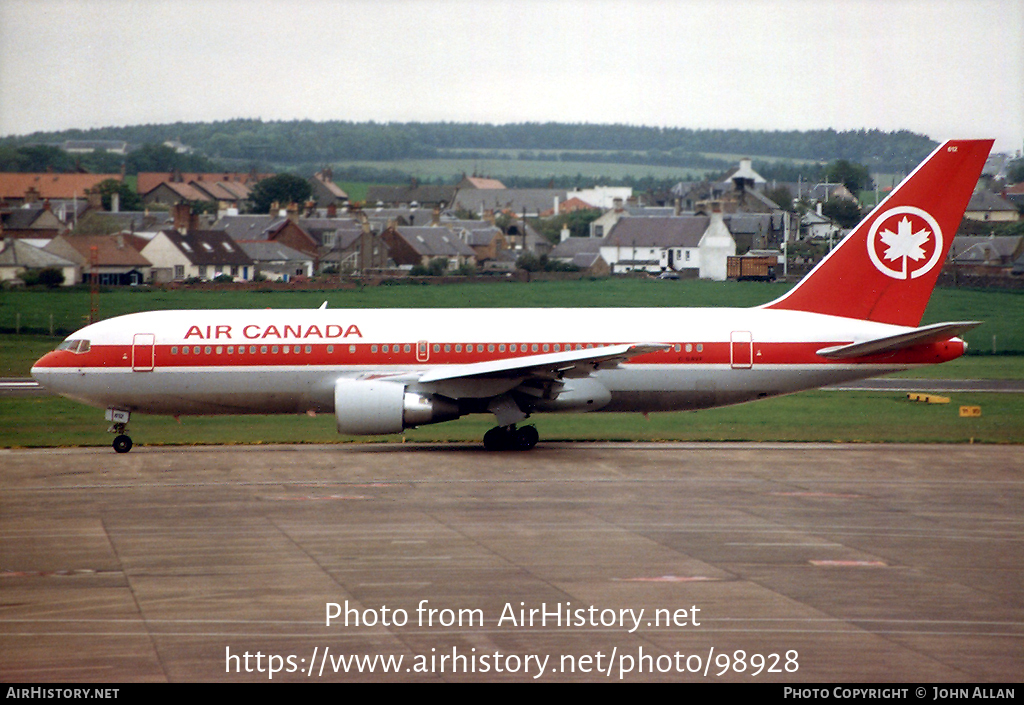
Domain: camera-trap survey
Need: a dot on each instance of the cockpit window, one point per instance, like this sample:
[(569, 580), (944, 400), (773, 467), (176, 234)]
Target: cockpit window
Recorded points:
[(75, 346)]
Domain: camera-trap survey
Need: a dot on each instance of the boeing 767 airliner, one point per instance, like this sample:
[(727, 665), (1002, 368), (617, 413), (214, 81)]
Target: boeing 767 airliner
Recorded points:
[(857, 314)]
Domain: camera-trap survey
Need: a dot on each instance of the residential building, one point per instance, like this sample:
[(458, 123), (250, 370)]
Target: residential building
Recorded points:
[(427, 196), (410, 246), (325, 191), (989, 207), (277, 262), (478, 182), (179, 254), (17, 188), (35, 220), (116, 259), (18, 256), (694, 245)]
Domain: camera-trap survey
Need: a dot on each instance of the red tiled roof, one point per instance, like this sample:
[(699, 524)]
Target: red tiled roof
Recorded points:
[(15, 186), (149, 180)]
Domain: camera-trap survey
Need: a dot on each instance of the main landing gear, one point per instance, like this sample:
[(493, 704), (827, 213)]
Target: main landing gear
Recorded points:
[(511, 438)]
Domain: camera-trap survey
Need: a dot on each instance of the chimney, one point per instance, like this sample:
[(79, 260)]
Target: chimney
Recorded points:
[(95, 199), (435, 217), (678, 206), (182, 217), (115, 202), (617, 204), (293, 212), (564, 234), (332, 211)]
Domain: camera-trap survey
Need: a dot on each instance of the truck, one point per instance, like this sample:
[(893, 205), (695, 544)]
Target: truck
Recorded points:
[(752, 268)]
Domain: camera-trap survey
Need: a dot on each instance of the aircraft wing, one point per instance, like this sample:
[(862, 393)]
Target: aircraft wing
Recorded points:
[(892, 343), (482, 379)]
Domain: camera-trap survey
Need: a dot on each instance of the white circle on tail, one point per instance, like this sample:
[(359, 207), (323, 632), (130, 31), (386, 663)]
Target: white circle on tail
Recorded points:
[(902, 237)]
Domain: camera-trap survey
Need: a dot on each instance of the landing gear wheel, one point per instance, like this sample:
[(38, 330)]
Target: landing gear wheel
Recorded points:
[(526, 437), (511, 438), (498, 438), (122, 444)]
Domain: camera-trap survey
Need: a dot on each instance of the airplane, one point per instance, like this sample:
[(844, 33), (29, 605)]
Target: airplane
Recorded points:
[(855, 315)]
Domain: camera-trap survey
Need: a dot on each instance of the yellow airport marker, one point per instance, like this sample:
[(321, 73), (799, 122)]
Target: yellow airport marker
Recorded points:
[(928, 398), (970, 411)]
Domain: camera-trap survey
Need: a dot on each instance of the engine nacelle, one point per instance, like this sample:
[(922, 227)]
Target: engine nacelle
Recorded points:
[(376, 407)]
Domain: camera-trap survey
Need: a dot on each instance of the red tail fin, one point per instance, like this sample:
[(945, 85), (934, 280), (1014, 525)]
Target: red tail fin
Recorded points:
[(886, 268)]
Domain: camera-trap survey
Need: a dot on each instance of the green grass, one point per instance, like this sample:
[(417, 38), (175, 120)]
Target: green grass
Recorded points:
[(815, 416)]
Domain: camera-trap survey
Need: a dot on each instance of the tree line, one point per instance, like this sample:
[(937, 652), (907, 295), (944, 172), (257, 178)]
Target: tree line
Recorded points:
[(298, 141)]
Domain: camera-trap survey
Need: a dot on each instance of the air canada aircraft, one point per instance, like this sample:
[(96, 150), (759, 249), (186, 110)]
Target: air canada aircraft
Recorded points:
[(857, 314)]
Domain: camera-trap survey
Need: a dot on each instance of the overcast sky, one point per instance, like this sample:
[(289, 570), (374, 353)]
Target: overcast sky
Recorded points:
[(945, 69)]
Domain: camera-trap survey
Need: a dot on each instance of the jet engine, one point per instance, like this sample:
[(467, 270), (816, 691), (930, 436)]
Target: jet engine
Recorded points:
[(376, 407)]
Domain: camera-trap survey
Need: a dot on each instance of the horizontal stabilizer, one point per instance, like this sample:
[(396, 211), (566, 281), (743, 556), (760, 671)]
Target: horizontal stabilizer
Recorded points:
[(892, 343)]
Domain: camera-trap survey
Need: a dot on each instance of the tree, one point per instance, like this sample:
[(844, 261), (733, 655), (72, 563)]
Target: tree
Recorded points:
[(128, 199), (1015, 174), (853, 176), (846, 213), (283, 188), (781, 196)]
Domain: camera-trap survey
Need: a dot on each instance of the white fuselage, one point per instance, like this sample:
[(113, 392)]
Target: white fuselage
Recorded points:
[(289, 361)]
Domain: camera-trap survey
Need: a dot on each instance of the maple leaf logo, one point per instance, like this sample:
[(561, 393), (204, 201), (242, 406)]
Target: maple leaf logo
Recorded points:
[(905, 242), (903, 235)]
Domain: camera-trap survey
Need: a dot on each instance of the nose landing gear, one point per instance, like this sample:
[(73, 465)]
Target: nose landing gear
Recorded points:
[(511, 438), (119, 425), (122, 443)]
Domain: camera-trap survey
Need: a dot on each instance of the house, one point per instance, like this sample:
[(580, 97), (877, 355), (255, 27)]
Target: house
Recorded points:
[(478, 182), (530, 202), (325, 191), (149, 180), (654, 245), (583, 253), (602, 197), (758, 231), (989, 207), (169, 193), (35, 220), (18, 189), (411, 246), (352, 246), (18, 256), (118, 260), (991, 250), (1015, 194), (186, 252), (486, 239), (570, 205), (284, 230), (696, 245), (90, 146), (410, 194), (277, 262), (815, 226)]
